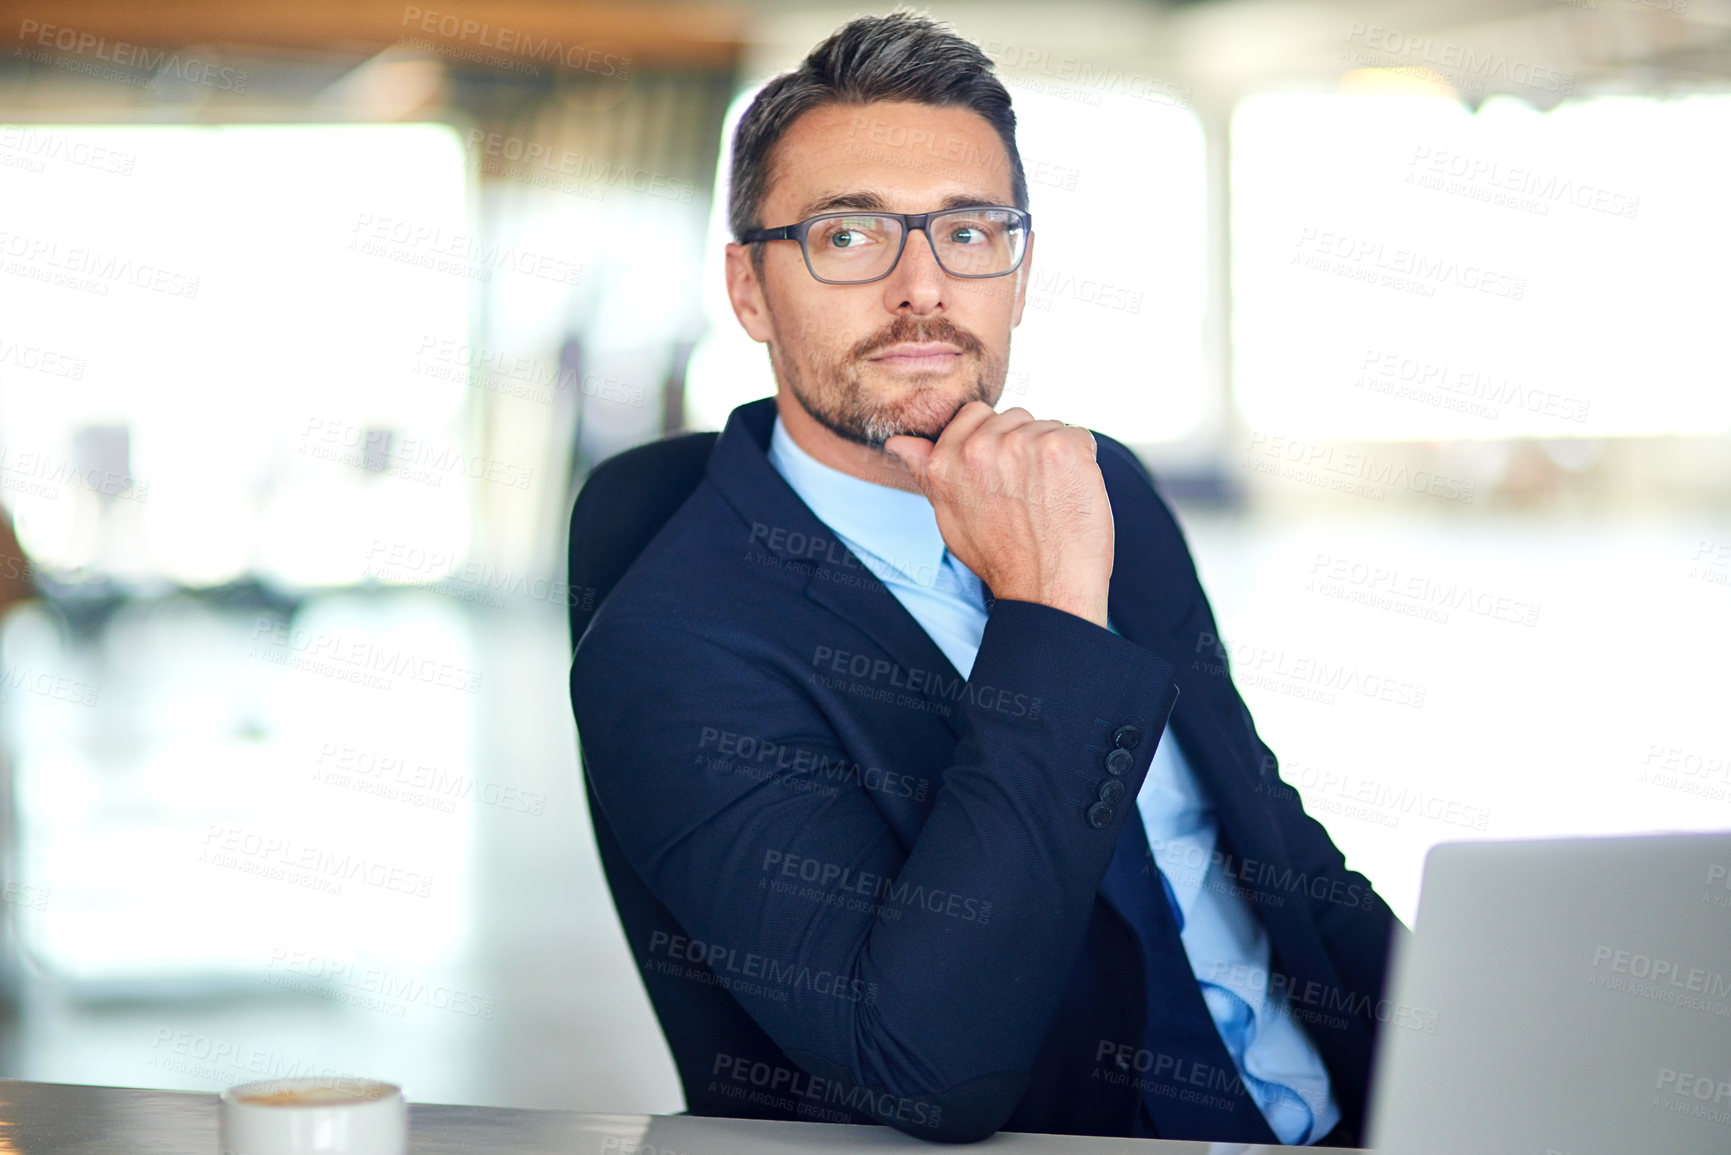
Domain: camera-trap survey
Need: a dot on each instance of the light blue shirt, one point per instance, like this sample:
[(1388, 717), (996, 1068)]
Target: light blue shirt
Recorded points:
[(895, 534)]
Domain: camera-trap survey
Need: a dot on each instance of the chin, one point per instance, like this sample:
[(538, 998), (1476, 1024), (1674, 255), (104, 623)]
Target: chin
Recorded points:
[(868, 406), (922, 412)]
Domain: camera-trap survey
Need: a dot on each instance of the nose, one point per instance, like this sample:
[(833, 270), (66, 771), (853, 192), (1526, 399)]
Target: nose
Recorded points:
[(917, 282)]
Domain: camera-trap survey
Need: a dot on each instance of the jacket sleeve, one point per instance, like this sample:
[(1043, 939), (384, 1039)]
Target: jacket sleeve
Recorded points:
[(702, 752)]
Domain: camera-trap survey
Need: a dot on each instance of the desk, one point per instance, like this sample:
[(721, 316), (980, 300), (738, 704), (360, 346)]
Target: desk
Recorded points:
[(66, 1119)]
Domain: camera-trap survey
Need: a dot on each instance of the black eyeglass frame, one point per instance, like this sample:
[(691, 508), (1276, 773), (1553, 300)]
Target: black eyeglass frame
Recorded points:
[(911, 223)]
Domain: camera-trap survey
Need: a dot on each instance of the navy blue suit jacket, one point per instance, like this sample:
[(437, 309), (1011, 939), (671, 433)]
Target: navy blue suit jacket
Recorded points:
[(878, 883)]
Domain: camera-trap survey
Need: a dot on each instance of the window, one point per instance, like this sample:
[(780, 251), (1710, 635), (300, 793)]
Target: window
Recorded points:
[(1406, 268)]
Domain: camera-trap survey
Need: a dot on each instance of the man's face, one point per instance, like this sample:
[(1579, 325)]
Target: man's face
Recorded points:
[(902, 354)]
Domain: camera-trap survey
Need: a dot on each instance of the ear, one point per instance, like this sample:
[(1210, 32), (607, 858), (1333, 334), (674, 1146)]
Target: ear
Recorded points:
[(1022, 277), (745, 292)]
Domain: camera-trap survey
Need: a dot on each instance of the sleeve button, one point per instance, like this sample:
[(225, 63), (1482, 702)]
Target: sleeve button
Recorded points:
[(1111, 791), (1126, 737), (1119, 762), (1099, 815)]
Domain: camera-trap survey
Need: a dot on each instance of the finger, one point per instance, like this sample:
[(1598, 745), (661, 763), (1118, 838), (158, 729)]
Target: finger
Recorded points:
[(1012, 418), (1094, 445), (964, 429), (967, 419), (1029, 434), (913, 452), (1036, 428)]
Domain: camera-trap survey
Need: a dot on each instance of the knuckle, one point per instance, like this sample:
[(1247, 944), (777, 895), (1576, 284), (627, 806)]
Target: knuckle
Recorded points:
[(1055, 448)]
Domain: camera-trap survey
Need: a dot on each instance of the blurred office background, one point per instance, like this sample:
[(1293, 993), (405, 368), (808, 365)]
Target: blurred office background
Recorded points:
[(314, 316)]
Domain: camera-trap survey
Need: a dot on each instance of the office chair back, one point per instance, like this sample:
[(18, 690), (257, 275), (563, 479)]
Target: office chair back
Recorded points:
[(621, 507), (623, 504)]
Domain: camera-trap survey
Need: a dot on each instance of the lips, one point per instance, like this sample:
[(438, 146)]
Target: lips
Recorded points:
[(916, 354)]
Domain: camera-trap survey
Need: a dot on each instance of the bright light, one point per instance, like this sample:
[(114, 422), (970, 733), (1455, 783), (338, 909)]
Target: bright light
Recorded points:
[(1405, 268), (239, 299)]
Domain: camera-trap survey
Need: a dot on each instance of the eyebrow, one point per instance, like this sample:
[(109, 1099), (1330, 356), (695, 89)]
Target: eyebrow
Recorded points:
[(872, 202)]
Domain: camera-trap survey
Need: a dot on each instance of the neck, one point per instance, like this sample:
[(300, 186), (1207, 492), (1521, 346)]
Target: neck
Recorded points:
[(850, 457)]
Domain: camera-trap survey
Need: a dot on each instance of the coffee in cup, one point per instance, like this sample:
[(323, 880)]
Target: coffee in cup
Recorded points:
[(314, 1116)]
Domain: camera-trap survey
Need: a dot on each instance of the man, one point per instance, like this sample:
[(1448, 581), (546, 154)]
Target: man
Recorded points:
[(880, 717)]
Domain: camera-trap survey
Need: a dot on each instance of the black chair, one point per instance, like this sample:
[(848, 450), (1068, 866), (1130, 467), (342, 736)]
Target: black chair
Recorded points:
[(621, 507), (623, 504)]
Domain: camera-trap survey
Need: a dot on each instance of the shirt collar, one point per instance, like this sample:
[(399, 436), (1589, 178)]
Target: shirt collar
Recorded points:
[(899, 527)]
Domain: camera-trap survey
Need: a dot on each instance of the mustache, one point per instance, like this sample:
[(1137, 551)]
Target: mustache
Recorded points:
[(917, 329)]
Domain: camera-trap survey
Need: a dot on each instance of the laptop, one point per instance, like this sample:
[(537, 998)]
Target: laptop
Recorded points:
[(1563, 997)]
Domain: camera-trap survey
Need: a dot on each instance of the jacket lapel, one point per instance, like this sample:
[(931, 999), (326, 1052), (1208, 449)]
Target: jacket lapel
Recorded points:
[(880, 615), (839, 581), (1156, 602)]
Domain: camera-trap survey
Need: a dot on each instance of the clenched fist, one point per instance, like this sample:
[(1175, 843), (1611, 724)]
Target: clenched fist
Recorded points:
[(1021, 503)]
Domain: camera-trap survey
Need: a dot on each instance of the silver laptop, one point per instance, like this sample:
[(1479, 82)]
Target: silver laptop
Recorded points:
[(1563, 997)]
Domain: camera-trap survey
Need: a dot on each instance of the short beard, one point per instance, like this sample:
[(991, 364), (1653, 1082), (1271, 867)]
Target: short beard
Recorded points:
[(835, 394)]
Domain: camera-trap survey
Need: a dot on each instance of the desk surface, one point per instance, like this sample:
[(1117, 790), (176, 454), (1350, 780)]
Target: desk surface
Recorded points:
[(66, 1118)]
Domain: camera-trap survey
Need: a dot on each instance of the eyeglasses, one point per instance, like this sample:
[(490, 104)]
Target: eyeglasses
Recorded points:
[(854, 248)]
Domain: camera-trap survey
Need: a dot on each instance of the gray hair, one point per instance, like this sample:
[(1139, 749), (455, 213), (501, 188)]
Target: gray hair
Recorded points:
[(904, 56)]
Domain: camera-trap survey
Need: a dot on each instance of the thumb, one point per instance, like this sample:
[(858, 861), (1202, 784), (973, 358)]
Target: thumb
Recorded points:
[(913, 452)]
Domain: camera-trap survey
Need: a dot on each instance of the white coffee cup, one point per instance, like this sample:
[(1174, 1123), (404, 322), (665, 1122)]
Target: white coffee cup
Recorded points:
[(315, 1116)]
